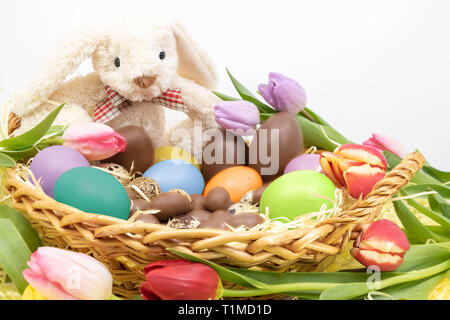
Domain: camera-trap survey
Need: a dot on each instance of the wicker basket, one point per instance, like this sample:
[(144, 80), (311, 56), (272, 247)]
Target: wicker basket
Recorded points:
[(126, 248)]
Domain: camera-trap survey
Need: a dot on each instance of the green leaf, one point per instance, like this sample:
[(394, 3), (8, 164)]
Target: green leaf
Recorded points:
[(14, 253), (438, 203), (224, 273), (28, 234), (6, 161), (355, 290), (437, 174), (21, 154), (318, 118), (440, 189), (322, 137), (31, 137), (248, 96), (415, 290), (414, 229), (224, 97), (443, 221), (424, 256)]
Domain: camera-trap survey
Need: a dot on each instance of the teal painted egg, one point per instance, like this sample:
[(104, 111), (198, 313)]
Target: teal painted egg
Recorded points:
[(93, 191), (298, 193)]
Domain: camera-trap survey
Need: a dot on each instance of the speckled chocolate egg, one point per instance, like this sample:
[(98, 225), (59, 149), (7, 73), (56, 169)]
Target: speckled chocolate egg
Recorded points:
[(198, 201), (218, 199), (184, 222), (254, 197), (246, 219), (233, 147), (140, 152), (117, 171), (146, 186), (171, 204), (288, 145)]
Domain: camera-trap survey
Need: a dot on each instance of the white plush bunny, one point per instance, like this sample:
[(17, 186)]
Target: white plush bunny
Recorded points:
[(136, 61)]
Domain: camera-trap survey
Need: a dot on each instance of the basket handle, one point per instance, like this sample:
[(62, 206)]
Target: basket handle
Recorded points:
[(385, 189)]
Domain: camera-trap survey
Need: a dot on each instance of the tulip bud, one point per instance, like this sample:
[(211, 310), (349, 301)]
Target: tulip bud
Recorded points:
[(382, 244), (66, 275), (284, 94), (356, 167), (180, 280), (384, 142), (95, 141), (237, 115)]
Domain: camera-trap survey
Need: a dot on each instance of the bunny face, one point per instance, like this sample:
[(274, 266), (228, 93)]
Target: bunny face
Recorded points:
[(138, 62)]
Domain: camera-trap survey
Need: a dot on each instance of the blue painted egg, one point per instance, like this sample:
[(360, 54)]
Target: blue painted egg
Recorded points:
[(177, 174)]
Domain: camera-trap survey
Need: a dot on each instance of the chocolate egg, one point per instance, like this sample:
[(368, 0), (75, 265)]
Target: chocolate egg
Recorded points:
[(200, 215), (224, 150), (184, 193), (198, 202), (254, 197), (140, 152), (117, 171), (147, 218), (247, 219), (139, 205), (287, 143), (218, 220), (131, 194), (171, 204), (144, 186), (218, 199)]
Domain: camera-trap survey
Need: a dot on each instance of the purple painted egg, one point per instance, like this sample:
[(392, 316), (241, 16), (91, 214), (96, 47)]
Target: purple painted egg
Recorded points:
[(50, 163), (304, 162)]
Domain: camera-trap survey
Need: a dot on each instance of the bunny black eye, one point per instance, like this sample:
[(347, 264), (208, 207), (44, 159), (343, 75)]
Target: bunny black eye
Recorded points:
[(117, 62), (162, 55)]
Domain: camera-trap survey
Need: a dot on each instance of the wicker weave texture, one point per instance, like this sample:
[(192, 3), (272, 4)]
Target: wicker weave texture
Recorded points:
[(126, 248)]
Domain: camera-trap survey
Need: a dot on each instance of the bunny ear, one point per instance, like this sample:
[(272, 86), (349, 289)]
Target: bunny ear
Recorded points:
[(63, 63), (193, 63)]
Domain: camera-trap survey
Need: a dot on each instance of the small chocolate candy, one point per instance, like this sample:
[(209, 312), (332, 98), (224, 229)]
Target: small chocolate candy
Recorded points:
[(147, 186), (183, 193), (171, 204), (257, 194), (198, 202), (140, 152), (200, 215), (218, 220), (117, 171), (138, 205), (218, 199), (131, 193), (147, 218), (248, 220)]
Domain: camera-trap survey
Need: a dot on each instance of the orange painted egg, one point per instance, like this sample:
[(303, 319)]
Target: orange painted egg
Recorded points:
[(237, 181)]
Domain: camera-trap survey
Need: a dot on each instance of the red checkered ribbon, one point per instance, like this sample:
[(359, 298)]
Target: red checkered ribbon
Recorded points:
[(112, 106)]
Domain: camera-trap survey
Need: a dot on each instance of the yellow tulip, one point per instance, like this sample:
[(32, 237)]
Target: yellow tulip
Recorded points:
[(31, 293)]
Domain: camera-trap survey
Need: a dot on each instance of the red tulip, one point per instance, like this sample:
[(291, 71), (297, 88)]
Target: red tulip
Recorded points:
[(382, 244), (356, 167), (180, 280)]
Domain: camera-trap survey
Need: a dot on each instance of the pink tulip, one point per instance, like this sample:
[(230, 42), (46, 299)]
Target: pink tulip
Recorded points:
[(66, 275), (95, 141), (383, 142)]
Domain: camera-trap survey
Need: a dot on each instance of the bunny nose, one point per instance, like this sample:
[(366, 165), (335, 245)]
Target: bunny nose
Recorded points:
[(145, 82)]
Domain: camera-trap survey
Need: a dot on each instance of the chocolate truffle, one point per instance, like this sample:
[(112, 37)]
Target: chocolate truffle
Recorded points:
[(198, 202)]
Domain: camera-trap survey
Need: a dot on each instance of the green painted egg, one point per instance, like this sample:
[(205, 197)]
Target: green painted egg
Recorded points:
[(93, 191), (298, 193)]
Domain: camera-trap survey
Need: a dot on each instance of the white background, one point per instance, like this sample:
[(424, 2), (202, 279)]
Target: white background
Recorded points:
[(367, 66)]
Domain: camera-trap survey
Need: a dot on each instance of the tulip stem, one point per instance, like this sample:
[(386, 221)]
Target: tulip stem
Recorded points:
[(279, 288)]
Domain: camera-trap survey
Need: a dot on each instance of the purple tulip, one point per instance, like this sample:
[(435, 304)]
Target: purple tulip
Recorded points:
[(283, 93), (237, 115)]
